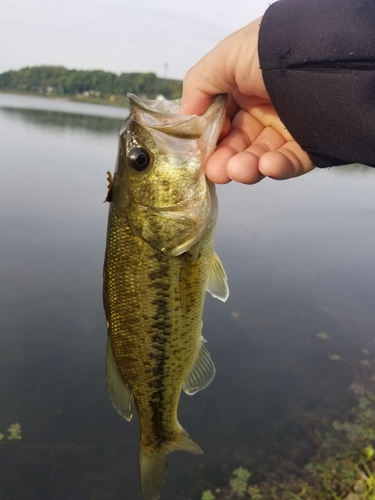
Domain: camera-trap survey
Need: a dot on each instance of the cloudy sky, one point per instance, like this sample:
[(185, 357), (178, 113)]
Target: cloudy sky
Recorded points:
[(162, 36)]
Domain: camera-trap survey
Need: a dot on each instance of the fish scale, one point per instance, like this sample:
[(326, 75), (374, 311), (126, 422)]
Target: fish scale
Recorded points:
[(159, 262), (161, 347)]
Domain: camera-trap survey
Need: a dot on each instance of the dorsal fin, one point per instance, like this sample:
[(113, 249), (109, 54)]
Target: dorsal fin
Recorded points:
[(109, 187)]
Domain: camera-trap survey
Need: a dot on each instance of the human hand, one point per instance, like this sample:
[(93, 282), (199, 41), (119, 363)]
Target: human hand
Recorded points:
[(254, 143)]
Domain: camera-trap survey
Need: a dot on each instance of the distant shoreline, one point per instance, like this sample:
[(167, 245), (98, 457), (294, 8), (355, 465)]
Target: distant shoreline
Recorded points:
[(87, 86), (118, 101)]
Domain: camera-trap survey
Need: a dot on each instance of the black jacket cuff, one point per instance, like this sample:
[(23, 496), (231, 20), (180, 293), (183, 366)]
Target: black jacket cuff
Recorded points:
[(318, 64)]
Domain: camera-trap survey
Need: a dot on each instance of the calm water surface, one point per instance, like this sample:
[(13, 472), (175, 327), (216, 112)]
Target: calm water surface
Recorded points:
[(300, 260)]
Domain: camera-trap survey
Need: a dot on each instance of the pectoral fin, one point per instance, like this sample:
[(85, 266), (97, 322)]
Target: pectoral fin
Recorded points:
[(121, 394), (201, 374), (217, 283)]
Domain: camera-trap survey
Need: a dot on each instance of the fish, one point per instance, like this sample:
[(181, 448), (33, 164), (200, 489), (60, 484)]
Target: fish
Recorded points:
[(159, 262)]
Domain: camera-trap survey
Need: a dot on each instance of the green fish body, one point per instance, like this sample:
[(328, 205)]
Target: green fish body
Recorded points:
[(159, 263)]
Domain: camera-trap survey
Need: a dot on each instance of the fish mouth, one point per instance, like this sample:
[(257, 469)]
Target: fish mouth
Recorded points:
[(177, 141), (164, 116)]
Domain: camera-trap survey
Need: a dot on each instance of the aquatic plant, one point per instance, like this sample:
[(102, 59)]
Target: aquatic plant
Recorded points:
[(14, 432), (239, 480), (238, 488), (342, 468), (208, 495)]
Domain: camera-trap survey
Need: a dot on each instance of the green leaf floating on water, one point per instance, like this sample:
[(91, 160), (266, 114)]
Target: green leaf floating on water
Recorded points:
[(335, 357), (369, 452), (323, 335), (208, 495), (14, 431)]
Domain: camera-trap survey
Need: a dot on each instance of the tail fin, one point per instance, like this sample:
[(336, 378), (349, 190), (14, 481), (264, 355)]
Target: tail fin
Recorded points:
[(153, 467), (153, 464)]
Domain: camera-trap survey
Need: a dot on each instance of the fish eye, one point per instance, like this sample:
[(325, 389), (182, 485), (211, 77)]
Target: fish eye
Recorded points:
[(139, 158)]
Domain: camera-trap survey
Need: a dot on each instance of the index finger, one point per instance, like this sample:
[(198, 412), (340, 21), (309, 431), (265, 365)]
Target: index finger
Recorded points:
[(195, 102)]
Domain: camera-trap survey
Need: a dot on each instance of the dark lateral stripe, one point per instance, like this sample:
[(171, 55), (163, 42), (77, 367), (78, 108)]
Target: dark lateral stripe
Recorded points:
[(160, 330)]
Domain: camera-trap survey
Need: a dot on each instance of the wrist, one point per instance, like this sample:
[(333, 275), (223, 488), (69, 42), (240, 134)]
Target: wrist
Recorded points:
[(248, 74)]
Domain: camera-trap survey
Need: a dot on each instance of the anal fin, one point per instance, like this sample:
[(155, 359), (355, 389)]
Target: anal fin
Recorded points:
[(121, 394), (184, 443)]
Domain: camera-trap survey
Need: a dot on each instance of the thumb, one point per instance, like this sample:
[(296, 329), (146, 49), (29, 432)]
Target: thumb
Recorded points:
[(212, 75), (232, 64)]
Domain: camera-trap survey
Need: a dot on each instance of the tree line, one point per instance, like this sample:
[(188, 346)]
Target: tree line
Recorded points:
[(57, 80)]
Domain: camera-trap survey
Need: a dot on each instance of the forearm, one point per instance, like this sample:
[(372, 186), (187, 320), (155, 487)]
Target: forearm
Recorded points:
[(318, 64)]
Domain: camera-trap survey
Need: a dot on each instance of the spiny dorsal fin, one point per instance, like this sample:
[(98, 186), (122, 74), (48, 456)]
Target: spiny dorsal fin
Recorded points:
[(109, 187), (121, 394), (201, 374), (217, 283)]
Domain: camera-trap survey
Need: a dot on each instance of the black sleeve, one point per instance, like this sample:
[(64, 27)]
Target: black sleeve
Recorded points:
[(318, 64)]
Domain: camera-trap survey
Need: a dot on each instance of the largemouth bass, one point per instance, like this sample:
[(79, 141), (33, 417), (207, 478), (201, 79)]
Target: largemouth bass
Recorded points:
[(159, 262)]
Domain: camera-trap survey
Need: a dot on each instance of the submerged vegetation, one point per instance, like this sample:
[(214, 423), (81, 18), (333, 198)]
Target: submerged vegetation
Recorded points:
[(89, 86), (342, 468)]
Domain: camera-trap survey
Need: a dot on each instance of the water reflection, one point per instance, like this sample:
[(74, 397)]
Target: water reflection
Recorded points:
[(47, 119), (299, 257), (353, 168), (59, 105)]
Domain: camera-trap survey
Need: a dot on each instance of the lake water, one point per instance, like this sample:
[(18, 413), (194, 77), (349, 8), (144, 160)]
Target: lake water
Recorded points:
[(299, 255)]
